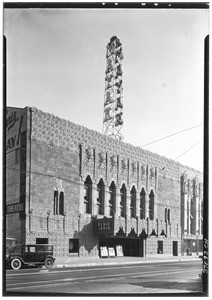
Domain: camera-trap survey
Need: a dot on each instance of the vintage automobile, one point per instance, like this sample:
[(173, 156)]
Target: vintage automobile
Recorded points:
[(30, 255)]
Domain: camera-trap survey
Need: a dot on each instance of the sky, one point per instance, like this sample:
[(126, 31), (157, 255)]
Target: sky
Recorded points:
[(56, 61)]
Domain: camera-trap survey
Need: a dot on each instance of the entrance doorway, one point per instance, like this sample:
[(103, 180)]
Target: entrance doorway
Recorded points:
[(175, 248), (160, 247), (130, 246)]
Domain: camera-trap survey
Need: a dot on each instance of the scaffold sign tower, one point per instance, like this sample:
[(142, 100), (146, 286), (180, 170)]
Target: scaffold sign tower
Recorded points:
[(113, 100)]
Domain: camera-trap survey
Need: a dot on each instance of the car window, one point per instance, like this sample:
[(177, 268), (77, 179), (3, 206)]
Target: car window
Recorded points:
[(16, 249), (32, 249), (48, 248), (26, 249), (40, 249)]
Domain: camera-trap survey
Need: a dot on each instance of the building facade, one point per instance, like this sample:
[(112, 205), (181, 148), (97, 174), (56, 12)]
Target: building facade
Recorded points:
[(91, 195), (191, 210)]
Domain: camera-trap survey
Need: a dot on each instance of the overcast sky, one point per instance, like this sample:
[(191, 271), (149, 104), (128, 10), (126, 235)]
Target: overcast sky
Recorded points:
[(56, 62)]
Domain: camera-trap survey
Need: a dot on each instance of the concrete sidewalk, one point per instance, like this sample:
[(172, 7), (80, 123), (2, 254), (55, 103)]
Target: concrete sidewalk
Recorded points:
[(126, 260)]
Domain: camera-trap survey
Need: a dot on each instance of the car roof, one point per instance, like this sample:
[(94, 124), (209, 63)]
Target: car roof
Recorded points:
[(11, 239)]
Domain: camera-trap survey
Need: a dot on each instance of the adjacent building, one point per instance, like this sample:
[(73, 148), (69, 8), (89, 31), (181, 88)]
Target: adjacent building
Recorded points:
[(92, 195), (191, 210)]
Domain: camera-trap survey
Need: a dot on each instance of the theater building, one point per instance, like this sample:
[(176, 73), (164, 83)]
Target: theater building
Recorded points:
[(91, 195)]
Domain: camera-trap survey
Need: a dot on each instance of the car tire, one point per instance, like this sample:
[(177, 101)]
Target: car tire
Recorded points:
[(16, 264), (48, 262)]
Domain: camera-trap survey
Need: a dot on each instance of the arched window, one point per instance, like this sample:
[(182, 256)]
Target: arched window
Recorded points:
[(88, 195), (112, 200), (123, 192), (151, 205), (101, 197), (61, 204), (133, 202), (142, 204)]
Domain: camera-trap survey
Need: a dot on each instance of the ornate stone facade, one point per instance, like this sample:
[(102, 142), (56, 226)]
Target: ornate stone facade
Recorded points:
[(63, 134), (77, 175)]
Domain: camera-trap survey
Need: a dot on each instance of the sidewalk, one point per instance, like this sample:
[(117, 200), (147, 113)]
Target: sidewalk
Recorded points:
[(97, 261)]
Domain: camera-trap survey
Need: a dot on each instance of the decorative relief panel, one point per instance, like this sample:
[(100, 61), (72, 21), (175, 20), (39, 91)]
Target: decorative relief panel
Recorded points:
[(60, 133), (101, 165), (88, 161), (112, 168), (143, 171), (123, 165), (101, 160), (123, 170), (133, 173), (152, 177), (152, 173), (58, 184)]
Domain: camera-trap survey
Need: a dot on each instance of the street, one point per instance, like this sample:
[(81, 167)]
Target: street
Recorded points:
[(158, 278)]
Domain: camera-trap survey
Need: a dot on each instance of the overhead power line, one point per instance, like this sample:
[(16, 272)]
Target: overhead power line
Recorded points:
[(173, 134), (188, 149), (183, 153)]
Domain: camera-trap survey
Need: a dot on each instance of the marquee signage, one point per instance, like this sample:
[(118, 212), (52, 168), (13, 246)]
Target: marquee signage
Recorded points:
[(15, 208), (104, 226)]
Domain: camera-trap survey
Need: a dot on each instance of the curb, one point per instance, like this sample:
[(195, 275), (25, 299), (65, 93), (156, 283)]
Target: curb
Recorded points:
[(122, 263)]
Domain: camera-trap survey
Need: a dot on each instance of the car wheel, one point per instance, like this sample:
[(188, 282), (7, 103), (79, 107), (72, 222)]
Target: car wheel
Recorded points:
[(48, 262), (16, 263)]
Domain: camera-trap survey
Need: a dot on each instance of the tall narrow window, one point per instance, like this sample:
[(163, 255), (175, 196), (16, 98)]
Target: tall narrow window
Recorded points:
[(151, 205), (169, 216), (142, 204), (133, 202), (112, 200), (58, 203), (55, 202), (100, 197), (123, 192), (88, 195), (61, 204), (166, 215)]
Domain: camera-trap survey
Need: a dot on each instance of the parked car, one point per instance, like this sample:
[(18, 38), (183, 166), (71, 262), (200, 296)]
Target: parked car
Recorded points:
[(29, 255)]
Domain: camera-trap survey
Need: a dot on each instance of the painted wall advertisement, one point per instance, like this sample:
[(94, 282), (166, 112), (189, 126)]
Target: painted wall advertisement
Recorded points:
[(16, 140), (15, 124)]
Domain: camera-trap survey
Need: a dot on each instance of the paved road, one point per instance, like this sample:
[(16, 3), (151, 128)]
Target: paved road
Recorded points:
[(170, 277)]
